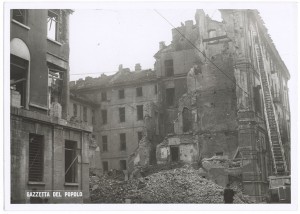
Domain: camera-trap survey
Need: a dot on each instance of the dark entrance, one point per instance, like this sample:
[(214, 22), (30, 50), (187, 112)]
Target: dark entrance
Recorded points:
[(174, 153)]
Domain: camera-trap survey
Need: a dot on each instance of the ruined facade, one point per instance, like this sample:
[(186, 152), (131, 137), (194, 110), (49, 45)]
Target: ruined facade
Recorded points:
[(82, 110), (214, 72), (127, 112), (218, 93), (48, 151)]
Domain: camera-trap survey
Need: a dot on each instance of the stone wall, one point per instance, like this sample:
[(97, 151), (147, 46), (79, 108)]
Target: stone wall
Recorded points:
[(54, 137), (188, 149)]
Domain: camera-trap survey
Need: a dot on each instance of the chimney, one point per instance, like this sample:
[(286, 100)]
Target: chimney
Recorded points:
[(162, 45), (175, 34), (138, 67), (188, 25), (120, 67)]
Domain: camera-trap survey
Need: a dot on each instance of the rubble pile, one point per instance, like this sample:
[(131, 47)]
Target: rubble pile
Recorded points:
[(142, 171), (180, 185), (108, 189), (238, 189)]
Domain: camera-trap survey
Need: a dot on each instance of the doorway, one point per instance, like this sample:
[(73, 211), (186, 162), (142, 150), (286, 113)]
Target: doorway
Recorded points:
[(174, 150)]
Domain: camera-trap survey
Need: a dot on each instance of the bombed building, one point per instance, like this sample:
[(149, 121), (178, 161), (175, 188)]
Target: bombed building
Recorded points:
[(219, 90), (225, 93), (49, 152), (127, 111)]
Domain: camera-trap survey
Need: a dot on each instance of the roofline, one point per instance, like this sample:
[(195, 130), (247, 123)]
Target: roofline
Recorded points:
[(79, 99), (129, 83), (267, 37)]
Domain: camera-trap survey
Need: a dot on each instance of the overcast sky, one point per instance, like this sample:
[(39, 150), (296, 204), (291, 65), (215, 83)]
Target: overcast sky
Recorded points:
[(101, 39)]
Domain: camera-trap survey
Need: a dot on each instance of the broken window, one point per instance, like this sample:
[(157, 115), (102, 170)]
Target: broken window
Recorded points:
[(74, 109), (104, 116), (71, 160), (140, 112), (105, 166), (170, 95), (123, 142), (103, 96), (52, 24), (174, 151), (256, 97), (36, 158), (104, 143), (212, 33), (139, 91), (18, 81), (85, 114), (55, 83), (186, 120), (169, 70), (140, 136), (122, 114), (121, 94), (123, 165), (20, 16)]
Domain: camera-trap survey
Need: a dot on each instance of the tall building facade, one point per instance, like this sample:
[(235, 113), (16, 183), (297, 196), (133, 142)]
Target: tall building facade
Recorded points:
[(225, 83), (48, 151), (126, 100), (219, 89)]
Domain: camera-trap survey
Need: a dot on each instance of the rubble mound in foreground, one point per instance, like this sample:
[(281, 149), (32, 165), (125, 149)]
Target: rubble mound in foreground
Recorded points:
[(181, 185)]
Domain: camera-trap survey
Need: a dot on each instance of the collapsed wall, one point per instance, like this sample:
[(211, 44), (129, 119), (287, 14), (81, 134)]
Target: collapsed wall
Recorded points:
[(206, 115)]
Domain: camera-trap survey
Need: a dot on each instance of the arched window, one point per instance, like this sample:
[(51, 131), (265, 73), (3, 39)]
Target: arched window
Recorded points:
[(19, 73)]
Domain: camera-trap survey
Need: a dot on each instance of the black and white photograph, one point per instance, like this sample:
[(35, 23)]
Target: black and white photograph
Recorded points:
[(150, 103)]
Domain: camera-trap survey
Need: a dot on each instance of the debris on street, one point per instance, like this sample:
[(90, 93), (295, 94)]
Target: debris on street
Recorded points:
[(179, 185)]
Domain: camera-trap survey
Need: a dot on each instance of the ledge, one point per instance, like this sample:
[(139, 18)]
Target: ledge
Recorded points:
[(72, 184), (35, 183), (20, 24), (31, 115), (53, 41), (39, 106)]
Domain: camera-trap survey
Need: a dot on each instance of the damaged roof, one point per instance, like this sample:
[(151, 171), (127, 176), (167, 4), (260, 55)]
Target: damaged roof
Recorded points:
[(82, 99), (123, 77)]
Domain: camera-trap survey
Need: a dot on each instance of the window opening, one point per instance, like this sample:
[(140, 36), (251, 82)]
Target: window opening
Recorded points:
[(104, 143), (169, 68), (52, 24), (36, 157), (140, 112), (71, 160), (123, 142), (122, 114)]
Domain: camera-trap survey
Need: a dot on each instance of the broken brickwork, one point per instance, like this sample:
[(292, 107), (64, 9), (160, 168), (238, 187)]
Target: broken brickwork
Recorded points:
[(208, 97), (126, 111), (219, 97)]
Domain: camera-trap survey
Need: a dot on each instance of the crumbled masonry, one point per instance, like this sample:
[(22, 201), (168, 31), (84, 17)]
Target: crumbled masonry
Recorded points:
[(179, 185)]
